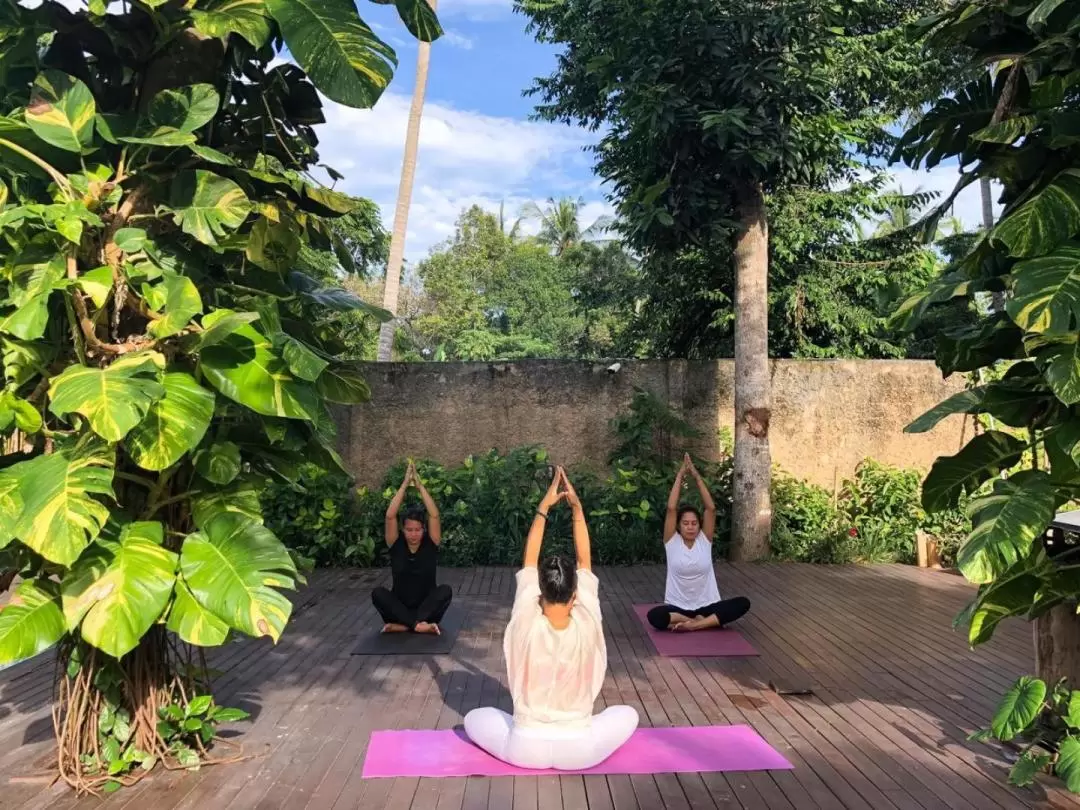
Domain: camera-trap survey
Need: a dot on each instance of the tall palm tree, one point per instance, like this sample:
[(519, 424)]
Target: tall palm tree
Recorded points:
[(560, 224), (401, 212)]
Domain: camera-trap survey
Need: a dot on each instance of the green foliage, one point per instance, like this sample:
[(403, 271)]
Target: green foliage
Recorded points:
[(874, 518), (164, 350), (1047, 723), (1018, 131)]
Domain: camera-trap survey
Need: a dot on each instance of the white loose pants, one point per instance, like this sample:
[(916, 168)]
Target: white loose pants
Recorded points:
[(562, 749)]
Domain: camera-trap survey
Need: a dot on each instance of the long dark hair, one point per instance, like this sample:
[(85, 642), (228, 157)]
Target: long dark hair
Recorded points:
[(558, 579)]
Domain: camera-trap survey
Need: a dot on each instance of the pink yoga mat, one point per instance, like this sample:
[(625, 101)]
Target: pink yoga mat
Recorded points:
[(697, 749), (698, 644)]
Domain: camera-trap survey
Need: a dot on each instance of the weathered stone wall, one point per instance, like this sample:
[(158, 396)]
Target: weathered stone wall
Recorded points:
[(827, 415)]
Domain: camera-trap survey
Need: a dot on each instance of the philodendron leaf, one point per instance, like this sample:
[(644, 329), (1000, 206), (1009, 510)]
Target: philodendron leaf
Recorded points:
[(194, 623), (982, 458), (232, 568), (32, 621), (174, 425), (219, 463), (207, 206), (60, 514), (118, 589), (247, 18), (113, 399), (61, 111), (1005, 523), (1018, 708), (185, 108), (340, 54)]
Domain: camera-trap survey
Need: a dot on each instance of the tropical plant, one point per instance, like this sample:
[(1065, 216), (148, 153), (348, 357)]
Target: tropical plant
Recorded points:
[(1019, 129), (404, 199), (691, 162), (162, 353), (560, 223)]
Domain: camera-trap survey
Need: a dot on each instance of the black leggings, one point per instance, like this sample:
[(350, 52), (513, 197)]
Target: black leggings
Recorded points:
[(394, 611), (726, 610)]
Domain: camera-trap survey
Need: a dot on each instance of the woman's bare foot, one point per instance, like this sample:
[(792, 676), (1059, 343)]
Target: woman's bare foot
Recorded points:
[(676, 619), (395, 628), (428, 627), (699, 623)]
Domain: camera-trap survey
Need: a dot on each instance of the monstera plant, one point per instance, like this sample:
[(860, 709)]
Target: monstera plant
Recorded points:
[(161, 342), (1020, 128)]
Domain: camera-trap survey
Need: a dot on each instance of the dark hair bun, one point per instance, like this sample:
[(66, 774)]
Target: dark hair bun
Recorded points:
[(558, 579)]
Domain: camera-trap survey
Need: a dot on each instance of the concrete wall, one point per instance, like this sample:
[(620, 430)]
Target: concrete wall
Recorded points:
[(826, 416)]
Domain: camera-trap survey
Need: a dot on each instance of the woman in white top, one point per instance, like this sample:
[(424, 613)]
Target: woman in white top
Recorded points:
[(555, 660), (692, 599)]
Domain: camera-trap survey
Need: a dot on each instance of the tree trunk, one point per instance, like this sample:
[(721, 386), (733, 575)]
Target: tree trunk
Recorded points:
[(401, 213), (1057, 645), (997, 299), (751, 507)]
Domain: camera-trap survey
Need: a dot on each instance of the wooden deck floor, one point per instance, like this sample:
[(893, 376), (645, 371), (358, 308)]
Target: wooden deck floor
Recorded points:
[(895, 693)]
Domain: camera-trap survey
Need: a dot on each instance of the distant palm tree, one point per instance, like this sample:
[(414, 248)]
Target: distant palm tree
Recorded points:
[(560, 224), (401, 214), (515, 230)]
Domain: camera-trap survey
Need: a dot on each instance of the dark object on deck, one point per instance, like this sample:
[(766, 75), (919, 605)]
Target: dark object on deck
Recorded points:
[(376, 643), (783, 686), (1063, 537)]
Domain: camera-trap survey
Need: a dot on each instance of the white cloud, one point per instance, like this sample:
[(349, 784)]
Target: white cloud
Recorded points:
[(456, 40), (465, 158), (475, 9)]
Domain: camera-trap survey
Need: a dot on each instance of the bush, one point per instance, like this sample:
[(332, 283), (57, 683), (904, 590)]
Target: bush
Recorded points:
[(874, 519)]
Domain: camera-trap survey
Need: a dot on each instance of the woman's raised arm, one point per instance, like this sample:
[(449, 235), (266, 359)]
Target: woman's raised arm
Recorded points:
[(536, 531), (671, 516), (390, 526), (708, 519), (434, 524), (582, 546)]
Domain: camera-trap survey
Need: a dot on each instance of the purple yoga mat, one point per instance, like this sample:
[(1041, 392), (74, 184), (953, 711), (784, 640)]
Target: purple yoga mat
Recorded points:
[(696, 749), (697, 644)]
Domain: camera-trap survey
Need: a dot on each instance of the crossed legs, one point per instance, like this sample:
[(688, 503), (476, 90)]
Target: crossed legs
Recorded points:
[(719, 614), (425, 617)]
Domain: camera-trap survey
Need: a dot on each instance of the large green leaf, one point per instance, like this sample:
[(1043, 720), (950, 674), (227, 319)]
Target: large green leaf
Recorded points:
[(274, 245), (185, 108), (244, 368), (1018, 708), (194, 623), (174, 425), (60, 514), (206, 205), (118, 589), (303, 362), (343, 385), (336, 299), (337, 50), (29, 294), (240, 498), (1046, 292), (219, 463), (1011, 595), (11, 506), (1046, 220), (232, 568), (244, 17), (1038, 18), (61, 111), (982, 458), (419, 17), (1060, 365), (223, 323), (179, 299), (967, 401), (31, 622), (113, 399), (1004, 524), (1067, 766)]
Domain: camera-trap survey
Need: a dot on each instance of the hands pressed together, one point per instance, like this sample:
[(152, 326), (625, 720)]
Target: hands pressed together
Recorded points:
[(560, 489)]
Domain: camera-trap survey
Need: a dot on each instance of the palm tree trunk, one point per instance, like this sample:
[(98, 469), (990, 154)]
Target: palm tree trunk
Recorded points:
[(401, 212), (751, 505), (997, 299)]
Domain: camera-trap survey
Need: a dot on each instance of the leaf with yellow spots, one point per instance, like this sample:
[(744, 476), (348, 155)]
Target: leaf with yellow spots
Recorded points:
[(59, 514), (175, 424), (194, 623), (232, 567), (118, 589), (207, 206), (114, 399), (31, 622), (337, 50), (61, 111)]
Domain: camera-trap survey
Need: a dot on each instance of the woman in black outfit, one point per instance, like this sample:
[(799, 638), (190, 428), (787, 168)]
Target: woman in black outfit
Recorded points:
[(415, 603)]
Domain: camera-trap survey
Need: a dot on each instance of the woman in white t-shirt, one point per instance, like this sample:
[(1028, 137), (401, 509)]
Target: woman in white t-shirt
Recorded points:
[(555, 660), (692, 599)]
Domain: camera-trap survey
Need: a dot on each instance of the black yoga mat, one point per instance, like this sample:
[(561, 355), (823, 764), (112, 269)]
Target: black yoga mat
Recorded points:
[(376, 643)]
